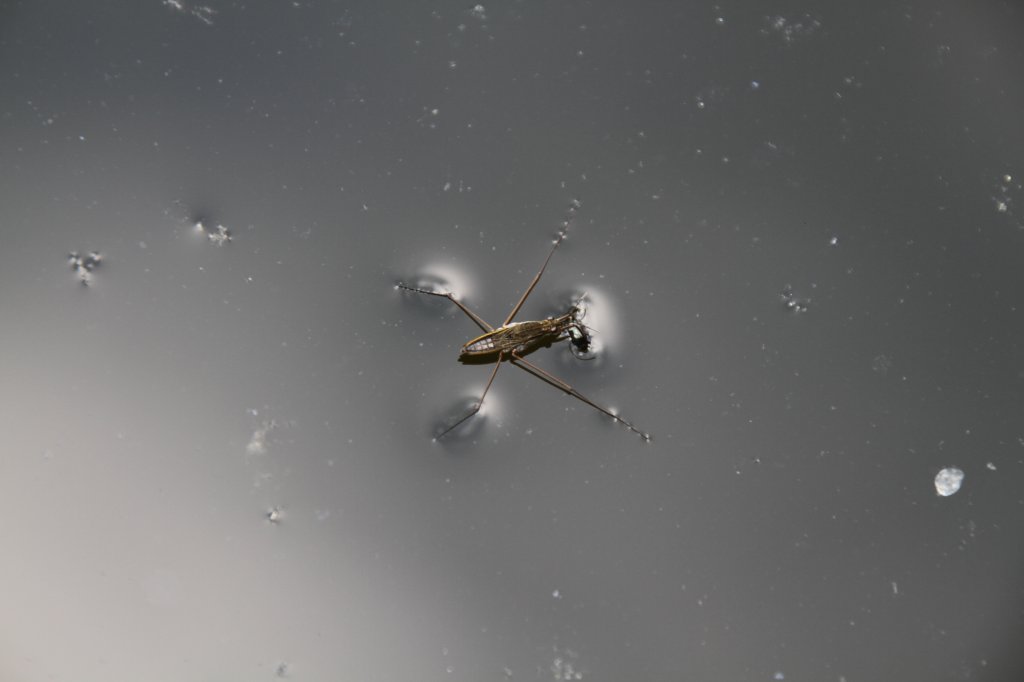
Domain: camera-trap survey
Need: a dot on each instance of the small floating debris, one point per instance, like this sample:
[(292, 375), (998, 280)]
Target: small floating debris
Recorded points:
[(219, 235), (565, 666), (948, 481), (792, 302), (83, 266), (259, 440)]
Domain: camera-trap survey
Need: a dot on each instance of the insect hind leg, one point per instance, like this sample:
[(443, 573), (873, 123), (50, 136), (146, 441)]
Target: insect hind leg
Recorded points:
[(552, 380)]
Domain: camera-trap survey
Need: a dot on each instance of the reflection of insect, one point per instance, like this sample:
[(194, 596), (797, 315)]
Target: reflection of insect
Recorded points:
[(514, 340)]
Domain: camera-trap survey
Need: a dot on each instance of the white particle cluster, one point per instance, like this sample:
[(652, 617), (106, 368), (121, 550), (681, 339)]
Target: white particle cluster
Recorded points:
[(218, 235), (203, 13)]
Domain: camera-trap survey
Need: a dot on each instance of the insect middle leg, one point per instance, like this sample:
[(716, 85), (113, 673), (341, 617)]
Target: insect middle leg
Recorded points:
[(549, 378), (469, 313), (479, 403)]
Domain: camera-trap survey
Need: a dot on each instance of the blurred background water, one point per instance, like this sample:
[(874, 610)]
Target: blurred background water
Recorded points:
[(801, 237)]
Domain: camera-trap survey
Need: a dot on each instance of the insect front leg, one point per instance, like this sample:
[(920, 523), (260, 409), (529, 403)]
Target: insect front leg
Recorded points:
[(469, 313)]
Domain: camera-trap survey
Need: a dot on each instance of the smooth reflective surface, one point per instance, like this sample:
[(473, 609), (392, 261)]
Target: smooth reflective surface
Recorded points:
[(798, 246)]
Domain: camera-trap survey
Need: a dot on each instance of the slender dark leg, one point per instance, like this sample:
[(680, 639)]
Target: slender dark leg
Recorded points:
[(479, 403), (572, 212), (473, 316), (561, 385)]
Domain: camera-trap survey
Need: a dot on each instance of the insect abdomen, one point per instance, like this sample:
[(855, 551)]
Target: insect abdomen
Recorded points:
[(484, 344)]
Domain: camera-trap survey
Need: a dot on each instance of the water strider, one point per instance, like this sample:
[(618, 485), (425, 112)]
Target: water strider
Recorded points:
[(512, 341)]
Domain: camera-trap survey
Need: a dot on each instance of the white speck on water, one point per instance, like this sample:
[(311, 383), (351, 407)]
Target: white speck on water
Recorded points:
[(895, 588), (990, 466), (565, 666), (833, 241), (881, 364), (274, 515), (200, 12), (257, 444), (779, 675), (791, 30), (556, 594), (948, 481)]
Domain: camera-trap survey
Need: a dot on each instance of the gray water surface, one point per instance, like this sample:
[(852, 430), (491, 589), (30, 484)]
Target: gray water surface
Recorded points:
[(800, 237)]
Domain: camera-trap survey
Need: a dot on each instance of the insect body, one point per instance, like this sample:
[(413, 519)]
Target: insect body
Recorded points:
[(512, 341), (525, 337)]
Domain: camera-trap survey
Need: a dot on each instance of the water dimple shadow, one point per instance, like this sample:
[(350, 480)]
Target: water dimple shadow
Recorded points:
[(438, 279), (471, 428), (599, 319)]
